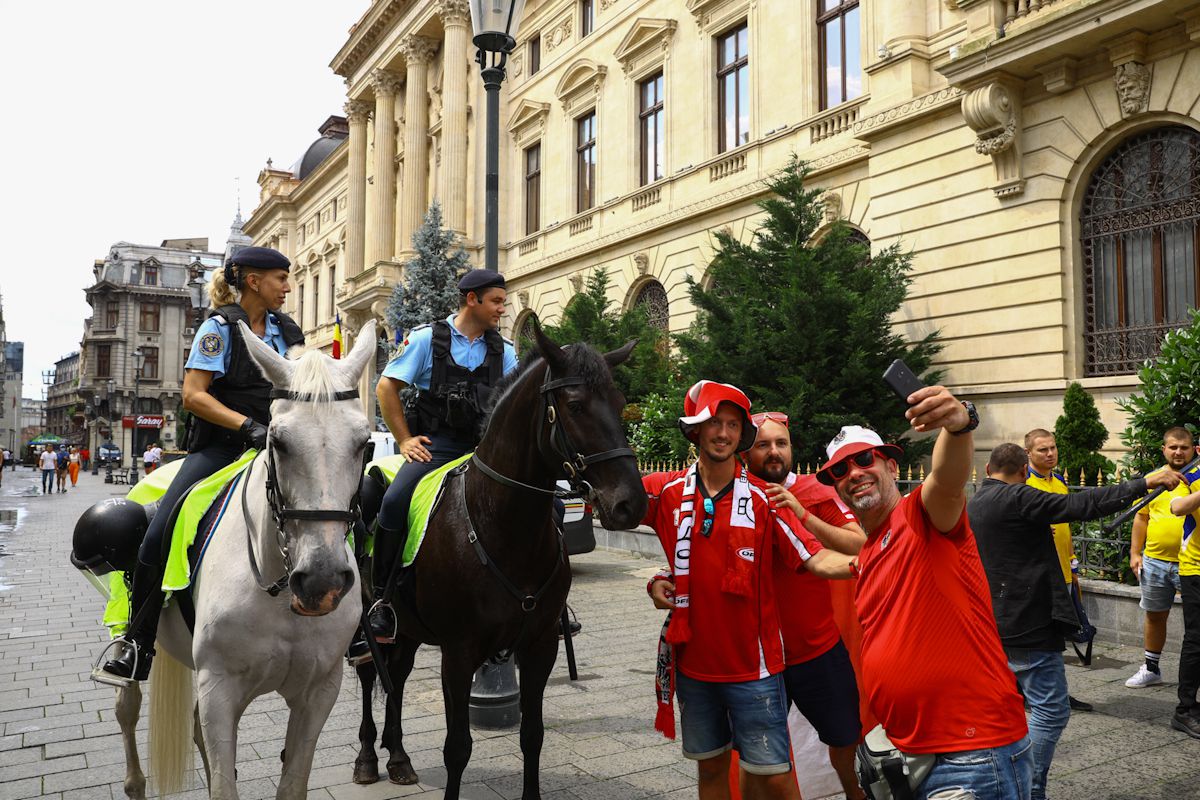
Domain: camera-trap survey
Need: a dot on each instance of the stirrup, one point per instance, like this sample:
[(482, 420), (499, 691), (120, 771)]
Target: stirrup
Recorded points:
[(380, 604), (107, 678)]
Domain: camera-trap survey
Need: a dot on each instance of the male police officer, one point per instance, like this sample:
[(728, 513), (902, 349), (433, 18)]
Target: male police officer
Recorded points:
[(453, 364)]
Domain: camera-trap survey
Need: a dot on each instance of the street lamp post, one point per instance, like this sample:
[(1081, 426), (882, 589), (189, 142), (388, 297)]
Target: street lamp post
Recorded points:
[(110, 388), (139, 360), (495, 694)]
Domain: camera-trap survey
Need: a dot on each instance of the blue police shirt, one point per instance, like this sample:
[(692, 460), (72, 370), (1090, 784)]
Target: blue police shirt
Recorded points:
[(414, 363), (210, 348)]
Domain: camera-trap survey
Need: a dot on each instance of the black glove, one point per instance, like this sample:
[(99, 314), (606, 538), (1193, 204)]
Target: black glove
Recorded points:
[(254, 433)]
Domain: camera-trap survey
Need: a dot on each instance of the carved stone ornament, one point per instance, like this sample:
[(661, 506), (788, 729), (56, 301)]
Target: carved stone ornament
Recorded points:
[(358, 110), (832, 202), (385, 82), (523, 298), (993, 111), (418, 49), (1133, 88), (516, 66), (557, 34), (454, 12), (576, 282), (642, 262)]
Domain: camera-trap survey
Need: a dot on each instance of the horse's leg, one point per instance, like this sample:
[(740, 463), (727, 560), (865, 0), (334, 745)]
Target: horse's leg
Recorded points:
[(366, 764), (458, 665), (536, 660), (222, 702), (198, 738), (307, 714), (129, 708), (399, 666)]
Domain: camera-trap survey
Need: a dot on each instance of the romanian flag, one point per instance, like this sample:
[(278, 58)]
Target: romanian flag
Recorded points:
[(337, 335)]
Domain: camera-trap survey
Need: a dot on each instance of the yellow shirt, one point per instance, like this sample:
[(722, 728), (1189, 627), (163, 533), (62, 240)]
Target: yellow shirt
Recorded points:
[(1054, 484), (1165, 530), (1189, 550)]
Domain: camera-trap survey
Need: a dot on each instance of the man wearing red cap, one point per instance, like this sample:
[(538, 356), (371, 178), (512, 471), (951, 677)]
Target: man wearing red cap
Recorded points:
[(721, 647), (933, 669)]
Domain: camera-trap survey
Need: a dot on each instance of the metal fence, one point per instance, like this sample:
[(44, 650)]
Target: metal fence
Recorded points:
[(1103, 556)]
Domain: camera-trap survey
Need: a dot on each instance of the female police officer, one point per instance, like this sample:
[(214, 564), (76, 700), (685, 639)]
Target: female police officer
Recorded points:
[(231, 402)]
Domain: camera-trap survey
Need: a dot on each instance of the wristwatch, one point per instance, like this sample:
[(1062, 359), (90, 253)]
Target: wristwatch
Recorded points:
[(973, 416)]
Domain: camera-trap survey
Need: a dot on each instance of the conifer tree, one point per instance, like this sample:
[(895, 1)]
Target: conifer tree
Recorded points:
[(1080, 434), (429, 289), (806, 326)]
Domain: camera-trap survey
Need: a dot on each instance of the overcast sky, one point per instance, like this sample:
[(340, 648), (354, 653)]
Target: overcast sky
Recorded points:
[(130, 120)]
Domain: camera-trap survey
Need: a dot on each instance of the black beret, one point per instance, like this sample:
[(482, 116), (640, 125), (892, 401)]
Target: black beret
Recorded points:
[(259, 258), (476, 280)]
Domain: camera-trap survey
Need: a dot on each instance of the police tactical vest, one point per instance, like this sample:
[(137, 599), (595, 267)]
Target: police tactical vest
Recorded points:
[(242, 388), (455, 401)]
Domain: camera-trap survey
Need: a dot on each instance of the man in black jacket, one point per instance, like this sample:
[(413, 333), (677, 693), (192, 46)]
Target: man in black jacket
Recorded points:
[(1033, 609)]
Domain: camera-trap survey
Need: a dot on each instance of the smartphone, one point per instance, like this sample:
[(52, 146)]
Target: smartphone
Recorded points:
[(902, 380)]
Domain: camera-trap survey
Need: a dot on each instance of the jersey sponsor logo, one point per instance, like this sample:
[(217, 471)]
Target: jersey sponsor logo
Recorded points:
[(746, 554), (211, 344), (885, 541)]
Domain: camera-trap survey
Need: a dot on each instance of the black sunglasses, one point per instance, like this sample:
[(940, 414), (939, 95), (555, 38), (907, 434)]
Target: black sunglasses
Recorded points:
[(842, 468)]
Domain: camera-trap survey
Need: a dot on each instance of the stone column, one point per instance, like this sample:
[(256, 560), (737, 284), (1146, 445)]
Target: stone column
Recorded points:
[(453, 186), (357, 112), (382, 244), (417, 51)]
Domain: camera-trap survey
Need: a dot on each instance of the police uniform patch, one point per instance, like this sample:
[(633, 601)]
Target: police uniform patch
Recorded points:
[(211, 344)]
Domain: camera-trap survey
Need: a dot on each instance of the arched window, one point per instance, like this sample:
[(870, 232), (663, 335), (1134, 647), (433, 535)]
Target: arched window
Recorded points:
[(1140, 242), (653, 297), (524, 331)]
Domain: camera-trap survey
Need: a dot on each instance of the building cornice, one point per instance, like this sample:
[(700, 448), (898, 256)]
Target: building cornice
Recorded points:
[(365, 35)]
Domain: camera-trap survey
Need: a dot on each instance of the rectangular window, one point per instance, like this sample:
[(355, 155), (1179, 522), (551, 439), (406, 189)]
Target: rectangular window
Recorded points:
[(104, 361), (533, 188), (316, 301), (148, 319), (150, 276), (839, 59), (535, 55), (332, 283), (150, 363), (651, 122), (112, 314), (587, 17), (733, 89), (585, 162)]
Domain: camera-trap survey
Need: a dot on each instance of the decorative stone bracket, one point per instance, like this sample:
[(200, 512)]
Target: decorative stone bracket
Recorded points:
[(993, 111), (1131, 77)]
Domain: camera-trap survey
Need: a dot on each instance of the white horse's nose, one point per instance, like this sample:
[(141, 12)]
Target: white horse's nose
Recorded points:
[(319, 585)]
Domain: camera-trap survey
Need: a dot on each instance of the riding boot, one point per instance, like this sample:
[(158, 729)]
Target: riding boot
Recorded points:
[(147, 591), (389, 550)]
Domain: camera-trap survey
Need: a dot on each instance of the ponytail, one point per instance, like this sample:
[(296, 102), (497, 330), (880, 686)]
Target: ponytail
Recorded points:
[(219, 290)]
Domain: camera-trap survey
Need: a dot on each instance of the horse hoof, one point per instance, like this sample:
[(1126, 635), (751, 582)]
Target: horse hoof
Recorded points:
[(367, 773), (402, 774)]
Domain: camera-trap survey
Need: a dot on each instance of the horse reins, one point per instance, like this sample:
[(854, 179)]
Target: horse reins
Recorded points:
[(279, 510)]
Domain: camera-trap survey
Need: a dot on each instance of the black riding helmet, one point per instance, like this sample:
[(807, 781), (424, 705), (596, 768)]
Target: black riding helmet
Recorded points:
[(108, 535)]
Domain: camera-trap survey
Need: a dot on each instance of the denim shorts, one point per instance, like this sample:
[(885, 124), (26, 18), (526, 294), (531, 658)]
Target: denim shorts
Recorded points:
[(998, 773), (750, 716), (1160, 582)]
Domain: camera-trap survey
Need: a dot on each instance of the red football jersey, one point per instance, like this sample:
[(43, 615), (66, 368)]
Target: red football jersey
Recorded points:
[(933, 668), (805, 604), (734, 638)]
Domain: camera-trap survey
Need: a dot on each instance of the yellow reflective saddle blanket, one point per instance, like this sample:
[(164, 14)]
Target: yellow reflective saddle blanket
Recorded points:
[(177, 572), (424, 499)]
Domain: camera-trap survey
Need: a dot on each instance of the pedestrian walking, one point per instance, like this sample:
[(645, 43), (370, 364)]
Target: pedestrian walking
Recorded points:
[(74, 462), (1154, 558), (63, 458), (85, 455), (722, 535), (156, 448), (1033, 607), (148, 459), (933, 668), (48, 461)]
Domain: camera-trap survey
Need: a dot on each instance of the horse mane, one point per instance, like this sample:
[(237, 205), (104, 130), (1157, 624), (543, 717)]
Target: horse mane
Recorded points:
[(582, 360), (312, 376)]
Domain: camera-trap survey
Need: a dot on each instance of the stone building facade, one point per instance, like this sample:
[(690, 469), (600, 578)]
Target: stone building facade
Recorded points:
[(64, 411), (1040, 158), (12, 374), (144, 298)]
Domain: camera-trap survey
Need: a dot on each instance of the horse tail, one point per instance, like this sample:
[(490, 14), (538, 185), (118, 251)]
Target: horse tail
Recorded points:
[(172, 700)]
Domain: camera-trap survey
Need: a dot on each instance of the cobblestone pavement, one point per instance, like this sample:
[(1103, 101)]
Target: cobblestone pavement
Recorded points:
[(59, 739)]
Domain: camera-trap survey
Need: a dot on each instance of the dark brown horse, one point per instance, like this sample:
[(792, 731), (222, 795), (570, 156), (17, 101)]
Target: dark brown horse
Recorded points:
[(558, 415)]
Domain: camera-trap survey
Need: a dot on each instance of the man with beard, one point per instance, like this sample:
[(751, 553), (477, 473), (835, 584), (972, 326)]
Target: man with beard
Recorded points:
[(722, 537), (934, 672), (819, 677), (1154, 557)]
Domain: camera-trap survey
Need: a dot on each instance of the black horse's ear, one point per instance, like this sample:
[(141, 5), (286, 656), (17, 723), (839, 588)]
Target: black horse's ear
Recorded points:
[(619, 355), (550, 351)]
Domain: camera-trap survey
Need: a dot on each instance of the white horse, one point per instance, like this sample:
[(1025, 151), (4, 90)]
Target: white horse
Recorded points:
[(250, 641)]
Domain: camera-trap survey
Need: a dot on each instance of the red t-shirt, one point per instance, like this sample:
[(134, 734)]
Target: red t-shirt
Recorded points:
[(805, 604), (933, 668), (734, 638)]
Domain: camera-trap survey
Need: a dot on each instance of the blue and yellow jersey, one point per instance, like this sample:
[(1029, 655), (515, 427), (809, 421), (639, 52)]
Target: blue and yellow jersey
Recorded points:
[(1055, 484), (1164, 530), (1189, 548)]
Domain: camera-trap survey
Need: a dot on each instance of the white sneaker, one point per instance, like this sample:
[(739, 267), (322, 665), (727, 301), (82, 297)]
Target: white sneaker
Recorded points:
[(1144, 678)]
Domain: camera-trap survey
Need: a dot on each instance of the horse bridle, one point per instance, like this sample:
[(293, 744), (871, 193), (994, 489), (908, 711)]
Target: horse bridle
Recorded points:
[(560, 446), (281, 513)]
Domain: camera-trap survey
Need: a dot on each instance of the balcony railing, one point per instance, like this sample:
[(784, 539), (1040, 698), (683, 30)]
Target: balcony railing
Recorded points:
[(1016, 9), (726, 167), (646, 198)]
